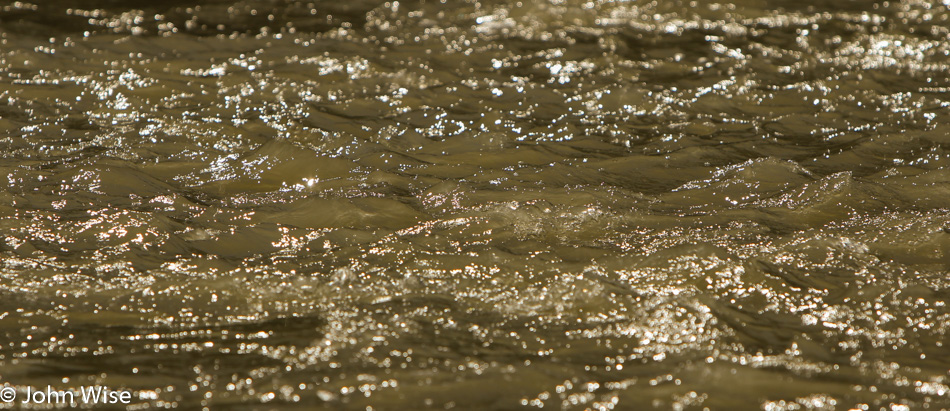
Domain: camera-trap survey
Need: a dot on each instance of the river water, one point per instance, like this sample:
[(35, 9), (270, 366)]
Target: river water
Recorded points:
[(477, 204)]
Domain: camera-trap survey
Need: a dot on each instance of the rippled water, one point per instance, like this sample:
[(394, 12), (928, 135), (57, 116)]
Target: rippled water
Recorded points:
[(478, 205)]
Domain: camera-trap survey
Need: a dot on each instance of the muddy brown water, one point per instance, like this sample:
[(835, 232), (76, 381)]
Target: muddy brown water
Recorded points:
[(477, 205)]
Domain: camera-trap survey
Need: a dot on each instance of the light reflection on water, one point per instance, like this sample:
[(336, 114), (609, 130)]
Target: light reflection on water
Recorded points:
[(477, 205)]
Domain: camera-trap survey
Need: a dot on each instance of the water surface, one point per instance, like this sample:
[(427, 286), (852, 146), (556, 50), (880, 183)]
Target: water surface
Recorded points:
[(478, 204)]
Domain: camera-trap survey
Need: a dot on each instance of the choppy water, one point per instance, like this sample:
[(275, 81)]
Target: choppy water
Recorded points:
[(478, 205)]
